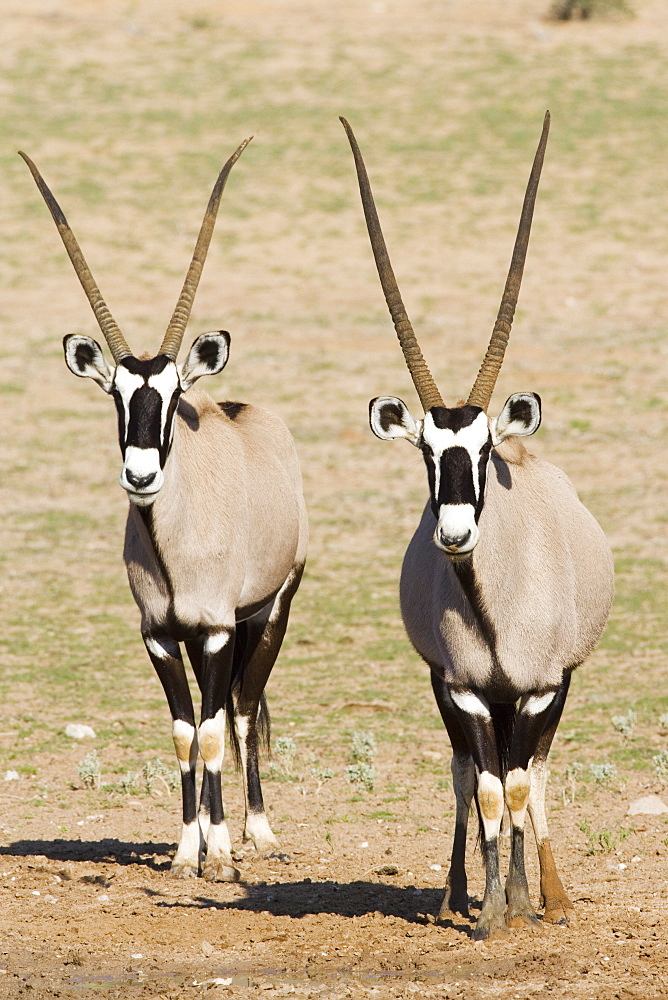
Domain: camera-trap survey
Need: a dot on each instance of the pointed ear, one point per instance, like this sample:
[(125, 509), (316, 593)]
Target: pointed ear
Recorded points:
[(389, 419), (519, 417), (207, 356), (84, 357)]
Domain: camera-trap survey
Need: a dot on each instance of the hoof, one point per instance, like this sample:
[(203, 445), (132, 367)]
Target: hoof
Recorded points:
[(559, 911), (483, 932), (220, 870), (450, 909), (519, 920), (183, 869)]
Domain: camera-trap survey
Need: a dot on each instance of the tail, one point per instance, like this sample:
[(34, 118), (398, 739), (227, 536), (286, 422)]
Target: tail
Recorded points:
[(263, 719), (503, 718)]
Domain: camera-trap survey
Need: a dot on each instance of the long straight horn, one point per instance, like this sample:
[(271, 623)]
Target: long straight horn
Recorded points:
[(417, 366), (177, 324), (481, 393), (107, 323)]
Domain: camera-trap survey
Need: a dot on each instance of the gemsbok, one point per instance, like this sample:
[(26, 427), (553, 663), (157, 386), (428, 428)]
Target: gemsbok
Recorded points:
[(215, 544), (505, 589)]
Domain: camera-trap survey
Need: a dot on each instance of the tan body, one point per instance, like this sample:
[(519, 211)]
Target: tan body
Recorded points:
[(543, 584), (223, 564)]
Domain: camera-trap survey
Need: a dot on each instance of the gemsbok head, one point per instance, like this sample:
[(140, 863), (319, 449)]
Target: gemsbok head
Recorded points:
[(505, 589), (215, 543)]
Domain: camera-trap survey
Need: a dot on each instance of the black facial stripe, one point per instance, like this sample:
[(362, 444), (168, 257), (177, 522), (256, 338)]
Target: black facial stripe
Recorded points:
[(456, 485), (483, 462), (146, 366), (145, 424), (456, 418)]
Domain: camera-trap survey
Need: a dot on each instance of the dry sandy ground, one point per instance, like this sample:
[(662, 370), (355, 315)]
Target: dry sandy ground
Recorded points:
[(87, 907)]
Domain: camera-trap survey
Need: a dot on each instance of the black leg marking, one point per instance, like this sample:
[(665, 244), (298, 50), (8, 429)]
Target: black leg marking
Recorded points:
[(456, 898), (165, 656), (476, 722), (216, 678)]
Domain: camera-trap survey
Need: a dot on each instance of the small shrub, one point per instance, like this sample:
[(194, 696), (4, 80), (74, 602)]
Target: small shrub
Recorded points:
[(574, 772), (568, 10), (90, 771), (362, 774), (661, 766), (363, 747), (603, 841), (321, 775), (285, 750), (603, 773), (623, 724), (156, 776)]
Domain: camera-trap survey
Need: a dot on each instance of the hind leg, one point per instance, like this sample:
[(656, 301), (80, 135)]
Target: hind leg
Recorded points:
[(558, 907), (456, 898), (264, 635)]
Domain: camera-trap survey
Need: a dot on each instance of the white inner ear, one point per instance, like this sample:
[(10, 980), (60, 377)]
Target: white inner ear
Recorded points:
[(407, 428), (96, 368), (503, 426), (194, 368)]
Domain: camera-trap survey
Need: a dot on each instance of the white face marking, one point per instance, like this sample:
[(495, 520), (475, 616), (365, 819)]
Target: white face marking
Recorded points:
[(141, 463), (470, 703), (472, 438), (126, 383), (456, 521), (166, 383), (537, 703)]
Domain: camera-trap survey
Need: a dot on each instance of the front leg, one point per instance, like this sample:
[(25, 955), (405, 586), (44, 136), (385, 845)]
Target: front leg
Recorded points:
[(475, 719), (533, 715), (456, 898), (166, 658), (217, 674)]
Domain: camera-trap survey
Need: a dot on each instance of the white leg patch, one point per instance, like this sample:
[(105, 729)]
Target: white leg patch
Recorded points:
[(257, 830), (214, 643), (188, 850), (160, 651), (212, 741), (185, 744), (534, 704), (218, 842), (518, 783), (537, 800), (490, 798), (470, 703)]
